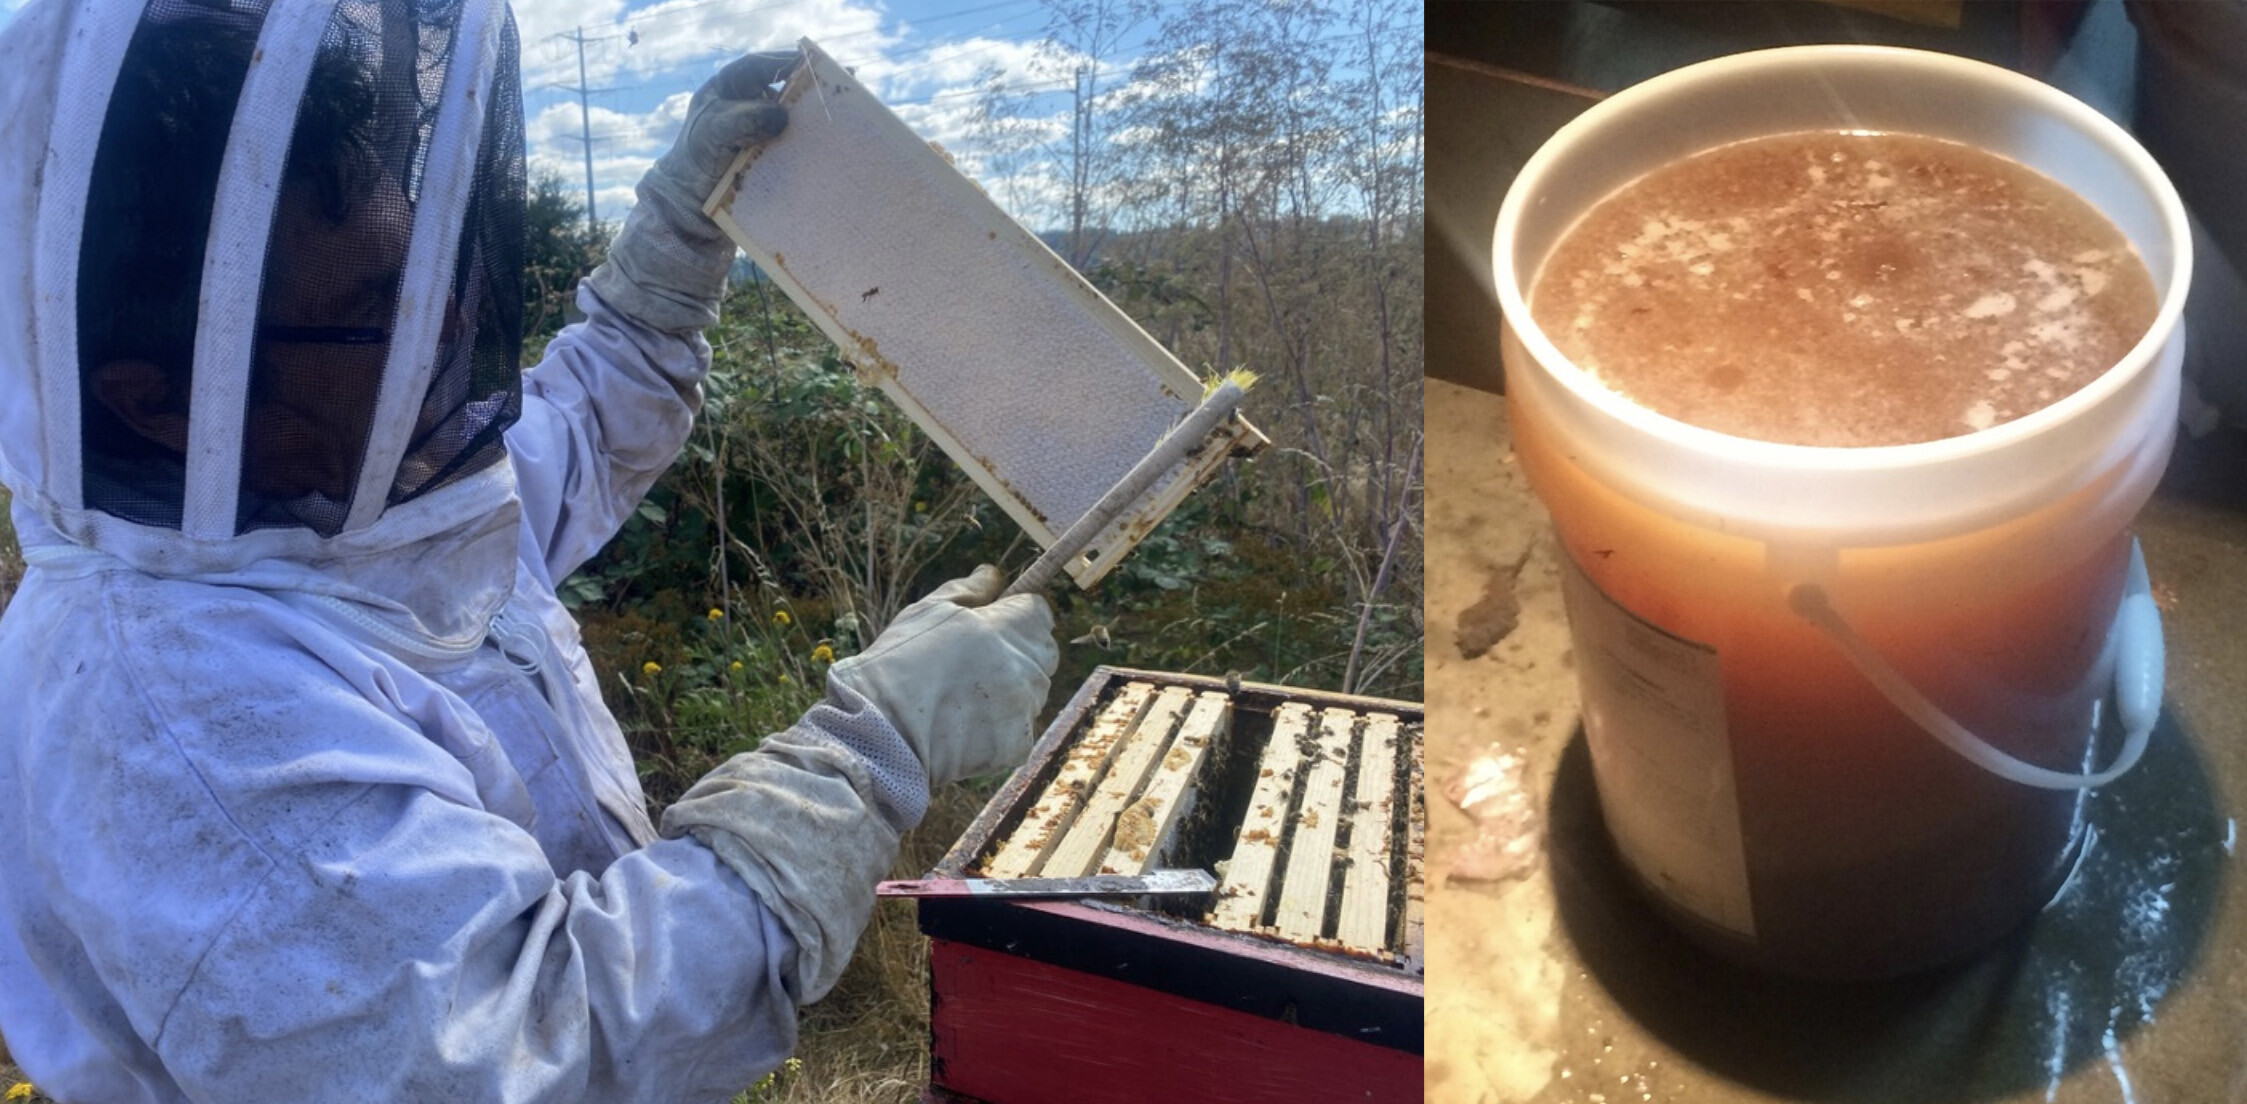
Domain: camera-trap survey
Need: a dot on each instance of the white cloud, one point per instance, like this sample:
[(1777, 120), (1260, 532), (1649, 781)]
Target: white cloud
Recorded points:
[(931, 85), (675, 44), (943, 67), (625, 145), (643, 63)]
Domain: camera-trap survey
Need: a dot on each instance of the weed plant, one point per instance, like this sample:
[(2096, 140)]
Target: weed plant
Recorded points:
[(806, 510)]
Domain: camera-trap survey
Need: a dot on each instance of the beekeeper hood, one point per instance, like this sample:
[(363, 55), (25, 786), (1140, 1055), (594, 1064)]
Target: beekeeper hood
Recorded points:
[(263, 301)]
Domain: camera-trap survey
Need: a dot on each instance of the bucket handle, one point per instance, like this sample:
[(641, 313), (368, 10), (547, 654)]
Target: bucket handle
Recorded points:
[(2133, 645)]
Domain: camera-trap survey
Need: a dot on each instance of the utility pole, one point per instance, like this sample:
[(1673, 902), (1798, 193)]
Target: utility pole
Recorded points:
[(585, 122)]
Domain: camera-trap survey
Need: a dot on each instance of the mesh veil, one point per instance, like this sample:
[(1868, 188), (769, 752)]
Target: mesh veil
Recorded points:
[(475, 391), (147, 222), (335, 273)]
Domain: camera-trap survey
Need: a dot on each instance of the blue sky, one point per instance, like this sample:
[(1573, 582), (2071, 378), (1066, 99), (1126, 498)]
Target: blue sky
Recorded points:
[(920, 56)]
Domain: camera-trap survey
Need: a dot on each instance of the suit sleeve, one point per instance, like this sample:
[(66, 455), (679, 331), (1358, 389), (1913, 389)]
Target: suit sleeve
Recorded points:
[(605, 413)]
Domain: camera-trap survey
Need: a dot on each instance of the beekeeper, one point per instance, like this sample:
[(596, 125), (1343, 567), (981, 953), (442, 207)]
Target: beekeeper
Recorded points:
[(306, 789)]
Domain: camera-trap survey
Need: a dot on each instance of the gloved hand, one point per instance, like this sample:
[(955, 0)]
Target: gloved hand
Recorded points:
[(811, 818), (800, 821), (961, 675), (667, 267)]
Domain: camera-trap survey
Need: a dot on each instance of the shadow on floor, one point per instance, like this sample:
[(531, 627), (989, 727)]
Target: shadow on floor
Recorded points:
[(2065, 991)]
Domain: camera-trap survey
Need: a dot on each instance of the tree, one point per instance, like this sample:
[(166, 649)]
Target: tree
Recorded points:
[(558, 250), (1281, 138), (1082, 38), (1251, 193)]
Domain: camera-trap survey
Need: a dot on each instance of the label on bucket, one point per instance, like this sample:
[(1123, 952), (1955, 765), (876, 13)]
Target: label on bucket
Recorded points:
[(1654, 717)]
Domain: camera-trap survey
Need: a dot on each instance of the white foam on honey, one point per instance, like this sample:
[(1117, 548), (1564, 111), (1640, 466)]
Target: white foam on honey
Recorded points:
[(2065, 331), (1990, 306), (2040, 298)]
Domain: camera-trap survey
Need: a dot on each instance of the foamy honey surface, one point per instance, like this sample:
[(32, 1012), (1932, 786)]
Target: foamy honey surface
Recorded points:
[(1844, 289)]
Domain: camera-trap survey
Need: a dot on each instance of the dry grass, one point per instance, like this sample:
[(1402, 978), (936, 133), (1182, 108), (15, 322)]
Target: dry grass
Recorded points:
[(867, 1043)]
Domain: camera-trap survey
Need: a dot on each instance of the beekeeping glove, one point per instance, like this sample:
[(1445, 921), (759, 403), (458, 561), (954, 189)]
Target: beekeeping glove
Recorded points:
[(667, 266), (804, 821), (810, 820), (961, 674)]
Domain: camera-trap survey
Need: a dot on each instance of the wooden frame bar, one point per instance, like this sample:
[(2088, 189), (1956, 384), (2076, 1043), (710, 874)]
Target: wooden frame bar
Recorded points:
[(1025, 851), (1415, 857), (1145, 828), (1137, 753), (1248, 873), (1301, 914), (1363, 923)]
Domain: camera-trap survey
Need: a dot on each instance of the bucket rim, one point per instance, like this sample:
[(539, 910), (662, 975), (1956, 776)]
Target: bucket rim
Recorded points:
[(1650, 94)]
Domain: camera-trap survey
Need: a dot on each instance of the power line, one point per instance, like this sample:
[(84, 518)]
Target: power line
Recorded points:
[(926, 62), (1055, 84), (1060, 83), (941, 16), (705, 57), (929, 60), (753, 8)]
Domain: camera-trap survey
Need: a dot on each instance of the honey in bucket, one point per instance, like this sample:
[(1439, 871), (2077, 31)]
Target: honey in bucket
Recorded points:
[(1842, 422)]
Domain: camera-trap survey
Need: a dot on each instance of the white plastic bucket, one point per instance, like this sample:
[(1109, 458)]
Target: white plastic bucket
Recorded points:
[(1772, 637)]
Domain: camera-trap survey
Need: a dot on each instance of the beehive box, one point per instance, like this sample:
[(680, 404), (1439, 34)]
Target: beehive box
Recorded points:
[(1299, 980)]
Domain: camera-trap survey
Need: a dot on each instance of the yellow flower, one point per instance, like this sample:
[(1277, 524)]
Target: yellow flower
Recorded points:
[(21, 1090), (736, 668), (784, 678), (781, 618), (717, 615), (651, 667), (823, 654)]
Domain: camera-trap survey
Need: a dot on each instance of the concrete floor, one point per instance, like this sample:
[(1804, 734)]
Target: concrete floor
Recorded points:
[(1550, 979)]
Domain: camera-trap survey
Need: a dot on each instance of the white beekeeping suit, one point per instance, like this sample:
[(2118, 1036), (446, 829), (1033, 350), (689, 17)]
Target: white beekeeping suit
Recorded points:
[(306, 788)]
